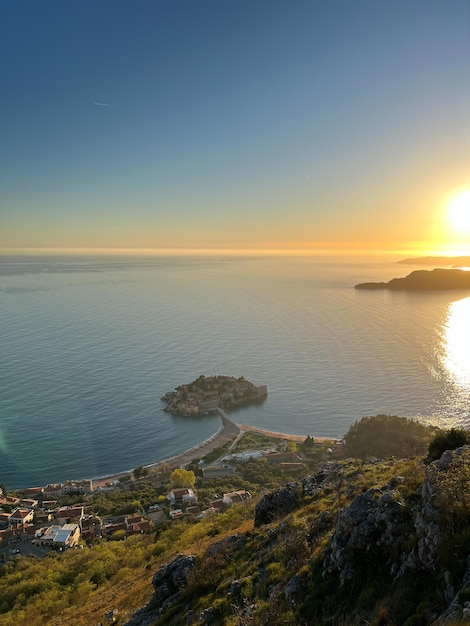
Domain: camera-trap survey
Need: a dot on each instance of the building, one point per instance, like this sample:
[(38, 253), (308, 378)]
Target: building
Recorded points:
[(28, 503), (21, 516), (53, 491), (236, 497), (244, 456), (36, 493), (90, 527), (69, 513), (136, 524), (65, 536), (283, 457), (193, 510), (74, 486), (216, 471), (217, 505), (185, 496)]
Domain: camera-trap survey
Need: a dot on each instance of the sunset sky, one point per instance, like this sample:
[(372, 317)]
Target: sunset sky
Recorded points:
[(234, 124)]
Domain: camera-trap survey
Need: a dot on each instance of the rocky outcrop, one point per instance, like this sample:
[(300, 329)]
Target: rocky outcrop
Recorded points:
[(393, 533), (379, 530), (295, 590), (171, 579), (277, 504), (373, 523), (168, 581), (281, 502)]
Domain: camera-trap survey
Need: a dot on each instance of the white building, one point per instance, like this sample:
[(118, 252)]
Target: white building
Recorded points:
[(65, 536)]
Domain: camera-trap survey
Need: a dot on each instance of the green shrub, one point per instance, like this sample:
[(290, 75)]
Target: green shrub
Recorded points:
[(447, 440), (387, 435)]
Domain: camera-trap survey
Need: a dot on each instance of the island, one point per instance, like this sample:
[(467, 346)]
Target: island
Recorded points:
[(209, 393), (425, 280)]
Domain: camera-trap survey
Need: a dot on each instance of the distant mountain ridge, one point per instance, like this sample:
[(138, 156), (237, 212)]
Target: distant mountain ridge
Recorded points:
[(452, 261)]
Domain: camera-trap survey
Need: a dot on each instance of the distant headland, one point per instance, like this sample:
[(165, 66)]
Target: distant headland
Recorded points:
[(212, 392), (425, 280), (449, 261)]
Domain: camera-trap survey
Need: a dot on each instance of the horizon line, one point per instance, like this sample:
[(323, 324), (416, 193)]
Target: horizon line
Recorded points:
[(317, 249)]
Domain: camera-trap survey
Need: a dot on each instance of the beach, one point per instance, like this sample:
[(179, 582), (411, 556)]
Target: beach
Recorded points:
[(228, 432)]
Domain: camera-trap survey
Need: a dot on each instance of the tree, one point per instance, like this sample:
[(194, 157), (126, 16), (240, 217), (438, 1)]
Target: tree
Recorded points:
[(182, 478), (140, 471), (309, 443), (447, 440), (385, 435)]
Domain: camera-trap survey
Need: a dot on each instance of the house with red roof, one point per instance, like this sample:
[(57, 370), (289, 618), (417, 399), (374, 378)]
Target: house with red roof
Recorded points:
[(34, 492), (21, 516), (53, 491), (236, 497), (185, 496), (67, 513)]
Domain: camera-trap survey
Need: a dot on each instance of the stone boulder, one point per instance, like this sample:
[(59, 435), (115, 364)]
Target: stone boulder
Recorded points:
[(167, 582), (277, 504)]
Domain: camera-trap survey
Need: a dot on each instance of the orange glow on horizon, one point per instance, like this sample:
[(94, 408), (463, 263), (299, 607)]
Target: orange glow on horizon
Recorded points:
[(332, 248)]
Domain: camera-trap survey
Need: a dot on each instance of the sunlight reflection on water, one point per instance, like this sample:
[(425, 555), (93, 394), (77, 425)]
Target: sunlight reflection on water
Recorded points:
[(456, 357)]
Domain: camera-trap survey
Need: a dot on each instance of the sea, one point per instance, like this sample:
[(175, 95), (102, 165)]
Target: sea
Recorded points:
[(90, 344)]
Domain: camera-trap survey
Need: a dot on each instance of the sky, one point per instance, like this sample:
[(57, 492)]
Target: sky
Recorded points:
[(233, 124)]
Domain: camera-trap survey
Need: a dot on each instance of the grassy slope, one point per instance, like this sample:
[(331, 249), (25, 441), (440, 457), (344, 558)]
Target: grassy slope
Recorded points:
[(79, 586)]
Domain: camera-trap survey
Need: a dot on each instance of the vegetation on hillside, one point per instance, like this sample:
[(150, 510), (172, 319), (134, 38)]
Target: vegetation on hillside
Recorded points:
[(284, 572), (388, 435), (447, 440)]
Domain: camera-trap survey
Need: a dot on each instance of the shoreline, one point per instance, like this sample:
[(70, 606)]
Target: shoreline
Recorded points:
[(227, 432)]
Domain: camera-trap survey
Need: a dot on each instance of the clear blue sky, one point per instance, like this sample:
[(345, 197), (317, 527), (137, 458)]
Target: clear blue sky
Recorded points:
[(231, 123)]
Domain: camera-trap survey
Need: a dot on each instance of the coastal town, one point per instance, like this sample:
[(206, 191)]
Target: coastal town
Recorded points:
[(61, 516), (36, 524), (33, 521)]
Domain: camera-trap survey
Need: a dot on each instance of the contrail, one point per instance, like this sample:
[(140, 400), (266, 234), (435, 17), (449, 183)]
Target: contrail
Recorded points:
[(103, 104)]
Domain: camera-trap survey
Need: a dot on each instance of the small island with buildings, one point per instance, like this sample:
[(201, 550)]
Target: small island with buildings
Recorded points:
[(212, 392)]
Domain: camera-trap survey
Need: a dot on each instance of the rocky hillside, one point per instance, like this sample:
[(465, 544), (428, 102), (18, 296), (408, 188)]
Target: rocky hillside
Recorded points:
[(359, 542)]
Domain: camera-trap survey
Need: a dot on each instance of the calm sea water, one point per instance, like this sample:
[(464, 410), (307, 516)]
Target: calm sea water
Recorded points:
[(90, 344)]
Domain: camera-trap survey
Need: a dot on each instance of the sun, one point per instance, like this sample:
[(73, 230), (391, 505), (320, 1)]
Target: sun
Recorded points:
[(458, 212)]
